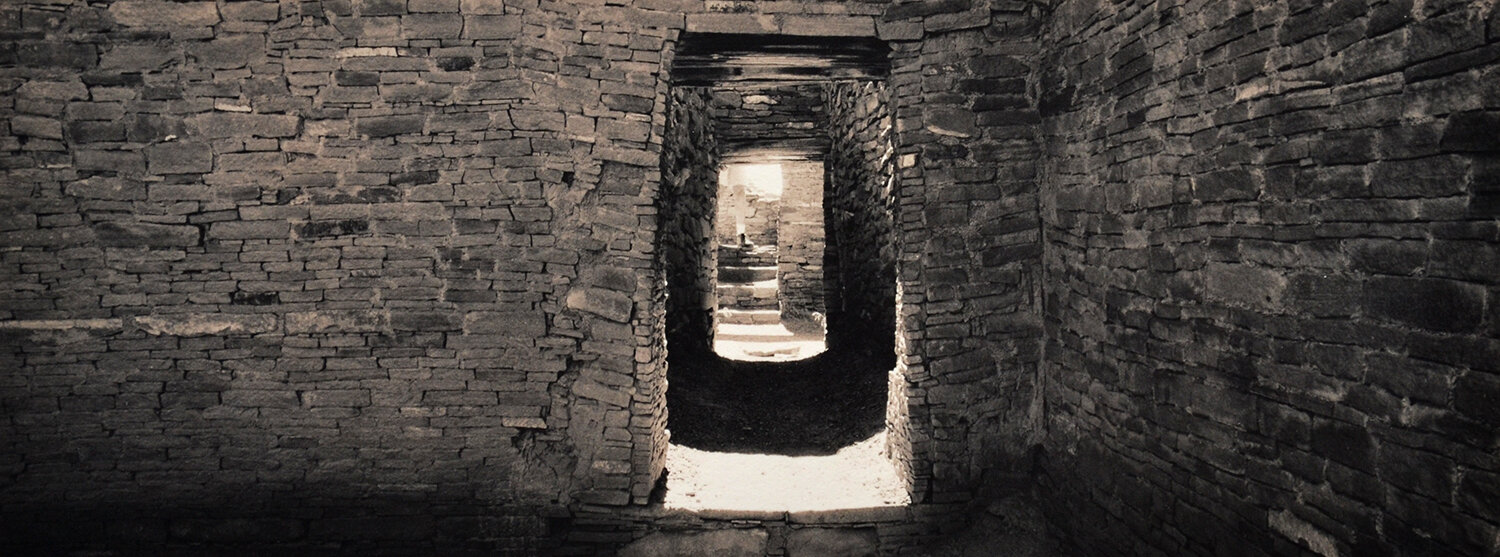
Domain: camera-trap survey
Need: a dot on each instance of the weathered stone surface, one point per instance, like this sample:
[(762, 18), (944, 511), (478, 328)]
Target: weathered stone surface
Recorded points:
[(389, 126), (180, 157), (337, 321), (610, 305), (34, 126), (746, 542), (145, 234), (216, 125), (831, 541), (158, 14), (205, 324), (519, 324), (951, 122)]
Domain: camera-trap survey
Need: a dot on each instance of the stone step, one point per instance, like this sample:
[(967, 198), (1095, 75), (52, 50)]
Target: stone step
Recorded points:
[(728, 274), (765, 289), (749, 317)]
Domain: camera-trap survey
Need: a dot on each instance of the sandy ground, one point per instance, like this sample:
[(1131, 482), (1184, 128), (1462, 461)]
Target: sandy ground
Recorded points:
[(857, 476)]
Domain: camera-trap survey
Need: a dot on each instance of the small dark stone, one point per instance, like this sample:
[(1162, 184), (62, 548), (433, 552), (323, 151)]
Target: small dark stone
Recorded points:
[(454, 64), (243, 298)]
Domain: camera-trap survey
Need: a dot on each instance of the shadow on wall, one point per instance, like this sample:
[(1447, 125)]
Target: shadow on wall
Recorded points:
[(329, 520)]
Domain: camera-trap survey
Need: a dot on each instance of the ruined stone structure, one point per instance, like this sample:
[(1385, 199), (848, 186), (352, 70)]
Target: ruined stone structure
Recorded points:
[(403, 276)]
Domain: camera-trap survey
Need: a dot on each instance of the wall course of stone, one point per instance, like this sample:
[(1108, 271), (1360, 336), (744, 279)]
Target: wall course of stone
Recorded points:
[(1244, 224)]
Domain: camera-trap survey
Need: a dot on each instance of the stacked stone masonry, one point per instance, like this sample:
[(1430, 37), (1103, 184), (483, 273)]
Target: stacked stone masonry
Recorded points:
[(1271, 276), (399, 276)]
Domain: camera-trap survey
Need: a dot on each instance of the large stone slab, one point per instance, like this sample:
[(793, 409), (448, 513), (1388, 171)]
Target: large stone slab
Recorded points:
[(813, 542), (157, 14), (337, 321), (205, 324), (145, 234), (720, 543)]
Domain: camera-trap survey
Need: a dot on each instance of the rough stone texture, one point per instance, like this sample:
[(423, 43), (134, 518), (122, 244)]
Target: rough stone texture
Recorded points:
[(800, 241), (1268, 315), (808, 542), (689, 207), (1260, 332), (739, 543)]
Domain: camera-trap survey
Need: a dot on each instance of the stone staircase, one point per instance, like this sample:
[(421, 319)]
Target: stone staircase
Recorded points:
[(747, 279)]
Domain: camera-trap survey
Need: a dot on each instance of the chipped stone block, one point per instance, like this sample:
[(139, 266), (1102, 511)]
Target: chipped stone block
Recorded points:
[(216, 125), (179, 158), (145, 234), (337, 321), (745, 542), (205, 324), (521, 324), (249, 230), (158, 14), (832, 541), (491, 27), (387, 126), (594, 390), (36, 126), (604, 303)]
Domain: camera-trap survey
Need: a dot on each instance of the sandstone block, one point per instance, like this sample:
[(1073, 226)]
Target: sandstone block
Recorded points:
[(159, 14), (381, 7), (229, 52), (387, 126), (749, 542), (629, 103), (205, 324), (111, 188), (610, 305), (249, 230), (53, 90), (952, 122), (425, 321), (520, 324), (216, 125), (831, 541), (36, 126), (594, 390), (144, 234), (179, 158), (337, 321), (731, 23), (431, 26), (485, 27)]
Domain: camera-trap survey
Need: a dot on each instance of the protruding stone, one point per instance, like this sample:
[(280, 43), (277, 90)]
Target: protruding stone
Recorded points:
[(519, 324), (158, 14), (811, 542), (145, 234), (337, 321), (748, 542), (216, 125), (205, 324), (951, 121), (179, 158), (610, 305)]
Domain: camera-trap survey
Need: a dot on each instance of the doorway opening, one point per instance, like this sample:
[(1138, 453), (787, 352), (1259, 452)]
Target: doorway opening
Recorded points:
[(798, 128), (769, 243)]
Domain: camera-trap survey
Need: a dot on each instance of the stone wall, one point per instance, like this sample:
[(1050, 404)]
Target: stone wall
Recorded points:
[(968, 244), (1271, 302), (761, 118), (799, 250), (689, 208), (373, 275)]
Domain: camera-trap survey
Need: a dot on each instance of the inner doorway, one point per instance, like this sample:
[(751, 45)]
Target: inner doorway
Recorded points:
[(769, 241)]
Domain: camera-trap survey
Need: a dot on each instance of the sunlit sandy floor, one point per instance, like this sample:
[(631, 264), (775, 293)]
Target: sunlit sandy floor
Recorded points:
[(858, 476), (767, 342)]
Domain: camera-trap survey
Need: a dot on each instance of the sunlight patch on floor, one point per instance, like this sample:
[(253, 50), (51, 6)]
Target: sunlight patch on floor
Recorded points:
[(856, 477)]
